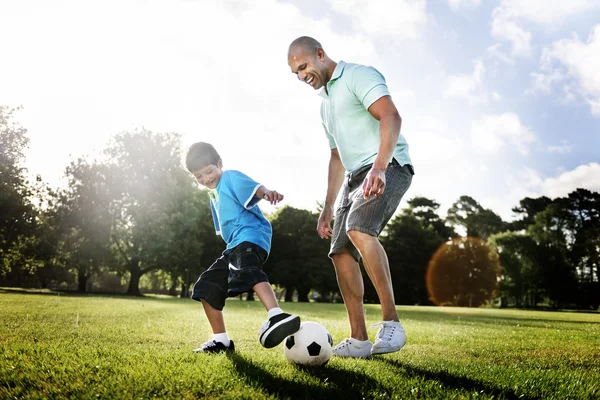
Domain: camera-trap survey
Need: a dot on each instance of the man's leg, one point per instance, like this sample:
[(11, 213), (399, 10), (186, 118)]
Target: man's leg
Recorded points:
[(376, 264), (351, 285)]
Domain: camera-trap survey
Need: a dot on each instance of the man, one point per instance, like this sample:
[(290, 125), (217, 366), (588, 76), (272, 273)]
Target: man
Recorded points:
[(370, 161)]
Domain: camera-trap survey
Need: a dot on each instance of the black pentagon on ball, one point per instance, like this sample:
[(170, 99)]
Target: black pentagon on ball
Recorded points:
[(289, 342), (330, 339), (314, 349)]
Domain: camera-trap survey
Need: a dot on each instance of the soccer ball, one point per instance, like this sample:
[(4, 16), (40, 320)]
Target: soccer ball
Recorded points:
[(311, 346)]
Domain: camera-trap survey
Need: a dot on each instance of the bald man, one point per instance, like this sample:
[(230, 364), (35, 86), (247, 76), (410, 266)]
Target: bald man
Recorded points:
[(370, 163)]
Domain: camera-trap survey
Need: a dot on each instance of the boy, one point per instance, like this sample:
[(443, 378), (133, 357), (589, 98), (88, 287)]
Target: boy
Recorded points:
[(233, 199)]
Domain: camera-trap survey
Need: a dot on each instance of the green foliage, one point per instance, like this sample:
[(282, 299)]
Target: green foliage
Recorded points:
[(17, 211), (474, 219), (85, 347), (298, 257)]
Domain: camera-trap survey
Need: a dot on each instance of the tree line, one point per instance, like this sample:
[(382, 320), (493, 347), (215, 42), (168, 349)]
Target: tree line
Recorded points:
[(133, 219)]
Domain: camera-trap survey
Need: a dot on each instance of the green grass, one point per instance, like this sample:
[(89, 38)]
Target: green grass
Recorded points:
[(57, 346)]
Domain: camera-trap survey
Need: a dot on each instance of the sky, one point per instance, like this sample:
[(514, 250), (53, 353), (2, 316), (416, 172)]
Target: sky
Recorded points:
[(500, 99)]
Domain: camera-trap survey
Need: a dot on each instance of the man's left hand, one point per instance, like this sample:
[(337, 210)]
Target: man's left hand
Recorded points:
[(374, 183)]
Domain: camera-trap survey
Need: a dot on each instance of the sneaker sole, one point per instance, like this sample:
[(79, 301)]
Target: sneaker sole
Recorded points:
[(387, 350), (282, 329), (348, 356)]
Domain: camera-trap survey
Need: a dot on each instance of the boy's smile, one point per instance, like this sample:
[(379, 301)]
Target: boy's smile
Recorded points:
[(209, 175)]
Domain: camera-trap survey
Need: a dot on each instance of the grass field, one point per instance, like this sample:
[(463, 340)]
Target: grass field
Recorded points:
[(57, 346)]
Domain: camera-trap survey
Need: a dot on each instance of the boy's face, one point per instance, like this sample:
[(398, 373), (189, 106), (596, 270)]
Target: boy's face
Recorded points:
[(209, 175)]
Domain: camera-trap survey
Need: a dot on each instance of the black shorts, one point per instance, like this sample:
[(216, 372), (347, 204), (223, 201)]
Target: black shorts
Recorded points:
[(232, 274)]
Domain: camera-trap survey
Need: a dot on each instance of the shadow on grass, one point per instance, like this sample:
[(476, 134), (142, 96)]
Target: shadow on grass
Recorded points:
[(451, 381), (334, 383)]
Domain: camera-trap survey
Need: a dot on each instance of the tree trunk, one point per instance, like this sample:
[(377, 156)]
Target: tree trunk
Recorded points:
[(303, 294), (134, 280), (289, 294), (82, 279), (250, 296)]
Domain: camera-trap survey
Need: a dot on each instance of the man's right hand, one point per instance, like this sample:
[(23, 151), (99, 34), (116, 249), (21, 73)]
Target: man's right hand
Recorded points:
[(324, 225)]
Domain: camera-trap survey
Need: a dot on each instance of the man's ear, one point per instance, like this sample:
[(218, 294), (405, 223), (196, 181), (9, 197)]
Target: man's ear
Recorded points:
[(220, 164), (320, 54)]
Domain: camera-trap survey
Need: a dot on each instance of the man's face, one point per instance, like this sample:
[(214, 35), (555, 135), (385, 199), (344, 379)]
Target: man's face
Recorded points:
[(310, 68), (209, 175)]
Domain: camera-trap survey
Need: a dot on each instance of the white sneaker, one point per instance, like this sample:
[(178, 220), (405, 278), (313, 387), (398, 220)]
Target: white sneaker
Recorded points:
[(351, 347), (390, 337)]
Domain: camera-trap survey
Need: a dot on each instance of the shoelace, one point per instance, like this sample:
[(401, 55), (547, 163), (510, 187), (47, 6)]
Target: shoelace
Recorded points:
[(386, 330), (345, 343)]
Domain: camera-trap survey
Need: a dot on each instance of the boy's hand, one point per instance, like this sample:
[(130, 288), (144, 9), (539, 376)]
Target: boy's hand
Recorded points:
[(272, 196)]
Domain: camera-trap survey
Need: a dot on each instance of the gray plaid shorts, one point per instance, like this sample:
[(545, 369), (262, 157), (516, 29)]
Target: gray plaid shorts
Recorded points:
[(370, 215)]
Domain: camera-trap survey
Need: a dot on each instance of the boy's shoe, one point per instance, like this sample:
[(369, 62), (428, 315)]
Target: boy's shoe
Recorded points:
[(353, 348), (390, 337), (212, 346), (278, 328)]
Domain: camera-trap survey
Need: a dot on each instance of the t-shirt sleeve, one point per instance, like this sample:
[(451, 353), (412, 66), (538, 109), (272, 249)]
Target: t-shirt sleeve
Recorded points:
[(368, 85), (244, 189)]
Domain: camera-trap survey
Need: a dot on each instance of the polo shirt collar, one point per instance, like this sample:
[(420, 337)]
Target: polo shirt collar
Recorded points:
[(337, 72)]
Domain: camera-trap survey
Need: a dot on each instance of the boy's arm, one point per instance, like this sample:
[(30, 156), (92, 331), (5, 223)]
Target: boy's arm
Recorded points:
[(272, 196)]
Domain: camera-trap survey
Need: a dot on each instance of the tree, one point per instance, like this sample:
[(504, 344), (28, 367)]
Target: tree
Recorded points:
[(17, 211), (83, 220), (520, 269), (550, 230), (298, 257), (463, 273), (474, 219), (527, 210), (145, 178), (410, 240), (426, 211)]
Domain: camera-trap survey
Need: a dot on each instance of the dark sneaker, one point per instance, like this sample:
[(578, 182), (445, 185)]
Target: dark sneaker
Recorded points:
[(213, 346), (278, 328)]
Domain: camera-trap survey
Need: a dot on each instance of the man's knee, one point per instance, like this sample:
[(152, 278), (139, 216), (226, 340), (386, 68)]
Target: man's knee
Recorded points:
[(357, 237)]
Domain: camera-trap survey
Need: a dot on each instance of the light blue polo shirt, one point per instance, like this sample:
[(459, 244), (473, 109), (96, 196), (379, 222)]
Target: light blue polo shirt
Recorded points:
[(348, 125), (235, 212)]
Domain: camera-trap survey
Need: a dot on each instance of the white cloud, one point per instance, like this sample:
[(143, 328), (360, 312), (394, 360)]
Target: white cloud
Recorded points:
[(493, 132), (468, 86), (508, 18), (529, 183), (506, 29), (575, 65), (206, 69), (563, 148), (546, 12), (455, 5), (401, 18), (585, 176)]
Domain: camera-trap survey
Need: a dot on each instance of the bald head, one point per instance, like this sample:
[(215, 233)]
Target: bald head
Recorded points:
[(308, 60), (305, 43)]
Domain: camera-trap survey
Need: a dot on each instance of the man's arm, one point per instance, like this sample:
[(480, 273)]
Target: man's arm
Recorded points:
[(390, 123), (335, 178)]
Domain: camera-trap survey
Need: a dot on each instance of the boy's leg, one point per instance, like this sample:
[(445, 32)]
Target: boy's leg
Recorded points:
[(215, 318), (279, 325), (246, 273), (211, 290)]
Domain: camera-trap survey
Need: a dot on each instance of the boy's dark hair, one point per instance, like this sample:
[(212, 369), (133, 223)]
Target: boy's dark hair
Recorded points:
[(200, 155)]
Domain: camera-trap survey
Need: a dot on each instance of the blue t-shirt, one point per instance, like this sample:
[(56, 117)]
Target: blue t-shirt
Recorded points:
[(235, 212)]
